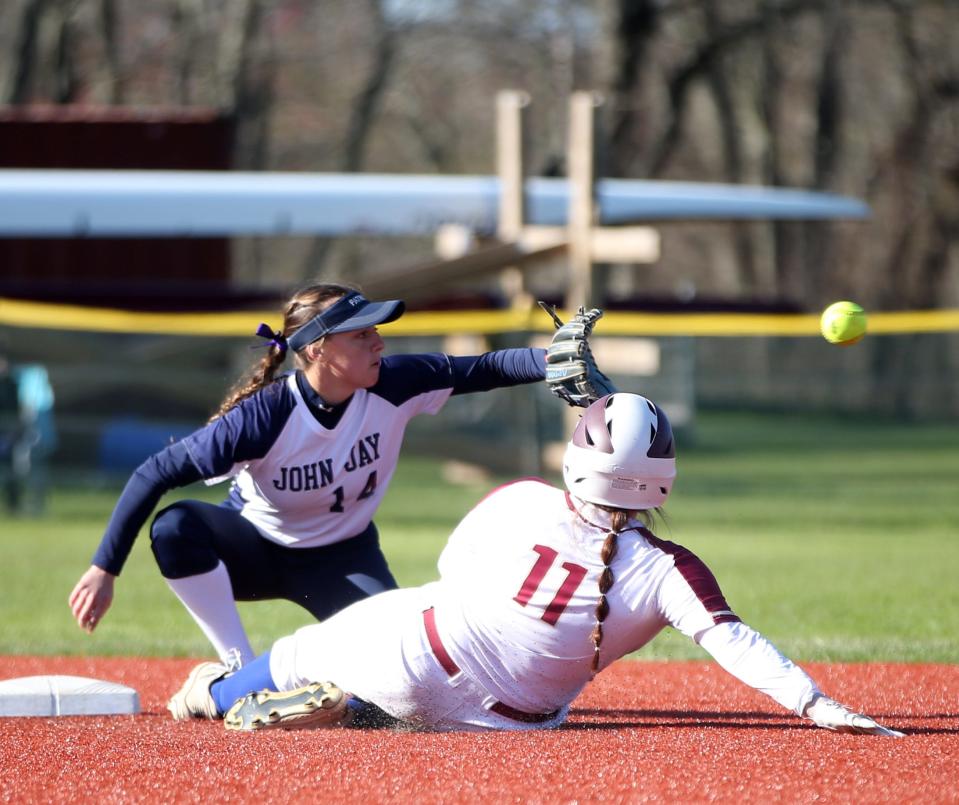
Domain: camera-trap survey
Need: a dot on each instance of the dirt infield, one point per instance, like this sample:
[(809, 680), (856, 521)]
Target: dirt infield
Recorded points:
[(642, 732)]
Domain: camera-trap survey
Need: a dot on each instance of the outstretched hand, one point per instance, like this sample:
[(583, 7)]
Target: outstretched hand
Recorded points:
[(91, 597), (831, 715)]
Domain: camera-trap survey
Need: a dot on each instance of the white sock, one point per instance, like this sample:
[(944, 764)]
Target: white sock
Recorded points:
[(208, 597)]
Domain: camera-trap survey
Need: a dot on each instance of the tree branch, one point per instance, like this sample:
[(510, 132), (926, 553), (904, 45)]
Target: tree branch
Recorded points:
[(109, 28), (25, 52), (366, 106), (701, 62)]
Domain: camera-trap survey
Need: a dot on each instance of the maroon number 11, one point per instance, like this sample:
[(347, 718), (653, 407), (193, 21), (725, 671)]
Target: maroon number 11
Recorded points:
[(575, 574)]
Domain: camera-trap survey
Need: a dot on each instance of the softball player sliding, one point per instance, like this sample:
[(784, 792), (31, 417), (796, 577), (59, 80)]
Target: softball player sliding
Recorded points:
[(310, 453), (540, 588)]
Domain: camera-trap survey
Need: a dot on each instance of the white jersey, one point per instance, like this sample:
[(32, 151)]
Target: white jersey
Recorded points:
[(524, 598), (319, 485), (514, 610)]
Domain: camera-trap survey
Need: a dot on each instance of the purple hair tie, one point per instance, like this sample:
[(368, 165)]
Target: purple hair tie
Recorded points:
[(277, 339)]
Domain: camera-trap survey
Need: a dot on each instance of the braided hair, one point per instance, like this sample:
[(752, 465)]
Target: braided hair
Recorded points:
[(302, 306), (618, 522)]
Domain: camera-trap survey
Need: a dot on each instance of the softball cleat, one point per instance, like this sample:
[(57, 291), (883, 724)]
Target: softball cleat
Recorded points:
[(315, 706), (193, 699)]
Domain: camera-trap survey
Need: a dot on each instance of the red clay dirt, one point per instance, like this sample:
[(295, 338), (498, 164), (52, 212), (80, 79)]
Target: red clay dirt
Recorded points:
[(641, 732)]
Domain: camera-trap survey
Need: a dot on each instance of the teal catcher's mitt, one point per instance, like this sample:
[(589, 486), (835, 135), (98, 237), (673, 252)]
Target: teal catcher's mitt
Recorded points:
[(571, 372)]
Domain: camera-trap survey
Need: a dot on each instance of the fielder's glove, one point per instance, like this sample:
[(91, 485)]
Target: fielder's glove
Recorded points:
[(571, 372), (829, 714)]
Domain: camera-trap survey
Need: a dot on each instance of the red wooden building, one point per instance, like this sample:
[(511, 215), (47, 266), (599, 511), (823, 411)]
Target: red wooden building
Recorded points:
[(139, 273)]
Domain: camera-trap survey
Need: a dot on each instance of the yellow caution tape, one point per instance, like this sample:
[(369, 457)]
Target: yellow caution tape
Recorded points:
[(18, 313)]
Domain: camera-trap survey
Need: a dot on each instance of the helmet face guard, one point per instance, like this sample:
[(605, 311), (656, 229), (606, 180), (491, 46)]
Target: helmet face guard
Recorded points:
[(621, 454)]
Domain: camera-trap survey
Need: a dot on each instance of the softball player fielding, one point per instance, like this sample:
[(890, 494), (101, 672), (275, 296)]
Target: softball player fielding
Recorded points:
[(310, 454), (540, 589)]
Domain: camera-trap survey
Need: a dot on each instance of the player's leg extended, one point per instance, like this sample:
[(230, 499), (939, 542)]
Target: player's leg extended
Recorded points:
[(203, 551), (287, 688), (249, 700), (374, 650)]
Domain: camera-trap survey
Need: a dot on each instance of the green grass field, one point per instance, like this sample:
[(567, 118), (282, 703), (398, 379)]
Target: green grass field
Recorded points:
[(835, 538)]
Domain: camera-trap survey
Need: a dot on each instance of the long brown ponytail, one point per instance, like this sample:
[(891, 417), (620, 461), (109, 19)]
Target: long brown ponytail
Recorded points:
[(303, 306)]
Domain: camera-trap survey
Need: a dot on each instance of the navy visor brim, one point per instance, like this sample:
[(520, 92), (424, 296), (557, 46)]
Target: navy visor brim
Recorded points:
[(371, 315), (352, 312)]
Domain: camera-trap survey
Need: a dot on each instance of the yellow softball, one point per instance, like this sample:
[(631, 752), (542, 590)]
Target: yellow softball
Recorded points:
[(843, 323)]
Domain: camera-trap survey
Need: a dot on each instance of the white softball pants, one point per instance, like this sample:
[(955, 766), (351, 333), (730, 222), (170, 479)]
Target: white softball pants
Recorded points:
[(377, 649)]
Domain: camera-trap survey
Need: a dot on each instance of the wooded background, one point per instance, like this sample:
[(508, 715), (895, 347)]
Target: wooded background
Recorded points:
[(859, 97)]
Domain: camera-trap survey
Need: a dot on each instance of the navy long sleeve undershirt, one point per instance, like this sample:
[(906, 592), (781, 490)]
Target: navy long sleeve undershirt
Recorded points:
[(499, 369)]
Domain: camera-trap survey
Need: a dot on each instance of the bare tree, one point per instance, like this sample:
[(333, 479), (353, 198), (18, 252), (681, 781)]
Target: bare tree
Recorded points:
[(367, 102), (246, 74), (731, 134), (786, 237), (24, 58), (698, 64), (636, 25), (189, 28), (827, 149), (363, 114), (110, 29), (915, 180)]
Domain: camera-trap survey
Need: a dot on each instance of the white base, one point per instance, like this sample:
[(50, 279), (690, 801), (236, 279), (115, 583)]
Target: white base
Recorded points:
[(66, 696)]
